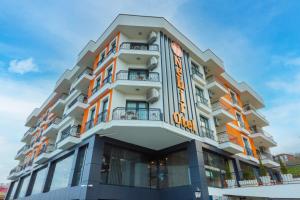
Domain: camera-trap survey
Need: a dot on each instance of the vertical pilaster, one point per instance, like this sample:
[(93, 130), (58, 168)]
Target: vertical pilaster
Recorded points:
[(197, 170), (92, 166)]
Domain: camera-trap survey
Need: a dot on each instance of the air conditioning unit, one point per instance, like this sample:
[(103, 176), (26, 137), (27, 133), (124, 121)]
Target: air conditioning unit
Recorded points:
[(152, 37), (152, 63), (152, 95)]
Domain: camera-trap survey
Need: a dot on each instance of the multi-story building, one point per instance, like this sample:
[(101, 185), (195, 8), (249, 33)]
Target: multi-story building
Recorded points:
[(143, 114)]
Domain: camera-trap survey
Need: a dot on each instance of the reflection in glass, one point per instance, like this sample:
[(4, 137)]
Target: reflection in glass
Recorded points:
[(39, 181)]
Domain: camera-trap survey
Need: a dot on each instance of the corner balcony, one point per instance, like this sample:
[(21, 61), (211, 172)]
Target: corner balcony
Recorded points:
[(69, 137), (58, 107), (28, 135), (254, 117), (136, 82), (268, 160), (229, 143), (45, 153), (76, 107), (222, 113), (83, 80), (216, 88), (32, 118), (202, 104), (198, 77), (15, 172), (262, 138), (106, 59), (138, 53), (53, 128)]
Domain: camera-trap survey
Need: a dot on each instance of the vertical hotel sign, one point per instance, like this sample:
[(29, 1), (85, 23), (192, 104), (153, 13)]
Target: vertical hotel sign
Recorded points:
[(179, 117)]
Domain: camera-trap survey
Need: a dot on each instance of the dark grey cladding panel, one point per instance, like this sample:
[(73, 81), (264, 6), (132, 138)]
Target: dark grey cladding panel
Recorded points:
[(169, 85)]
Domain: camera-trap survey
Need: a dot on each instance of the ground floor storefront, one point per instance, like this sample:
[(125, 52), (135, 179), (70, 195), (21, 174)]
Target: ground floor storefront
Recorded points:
[(103, 168)]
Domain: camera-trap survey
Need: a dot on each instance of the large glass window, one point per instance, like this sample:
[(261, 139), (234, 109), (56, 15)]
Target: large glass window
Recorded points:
[(61, 173), (13, 190), (23, 187), (174, 170), (124, 167), (39, 181), (215, 169), (79, 165)]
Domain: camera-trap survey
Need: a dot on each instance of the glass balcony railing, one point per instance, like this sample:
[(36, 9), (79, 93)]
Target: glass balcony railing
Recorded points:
[(87, 71), (249, 107), (151, 114), (137, 76), (139, 46)]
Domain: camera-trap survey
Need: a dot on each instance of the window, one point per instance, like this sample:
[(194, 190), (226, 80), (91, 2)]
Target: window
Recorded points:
[(97, 84), (101, 57), (108, 75), (233, 97), (61, 174), (247, 146), (196, 70), (240, 120), (39, 181), (205, 127), (113, 44), (138, 74), (103, 114), (174, 170), (137, 110), (90, 123), (23, 186), (79, 165), (124, 167), (200, 96), (13, 190)]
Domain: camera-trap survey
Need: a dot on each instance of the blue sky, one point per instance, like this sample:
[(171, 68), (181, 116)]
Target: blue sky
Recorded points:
[(257, 40)]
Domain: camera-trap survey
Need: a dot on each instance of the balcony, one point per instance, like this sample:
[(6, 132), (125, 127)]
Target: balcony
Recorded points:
[(28, 135), (76, 107), (136, 82), (45, 153), (106, 59), (268, 160), (222, 113), (216, 88), (229, 143), (83, 80), (262, 138), (198, 76), (58, 107), (254, 117), (53, 128), (202, 104), (21, 153), (138, 53), (69, 137)]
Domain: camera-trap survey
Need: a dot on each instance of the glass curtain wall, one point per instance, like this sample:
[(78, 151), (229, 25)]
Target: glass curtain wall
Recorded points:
[(39, 181)]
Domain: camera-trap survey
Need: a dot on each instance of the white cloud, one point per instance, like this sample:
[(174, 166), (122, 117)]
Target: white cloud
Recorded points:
[(17, 100), (289, 60), (22, 66), (291, 86), (284, 118)]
